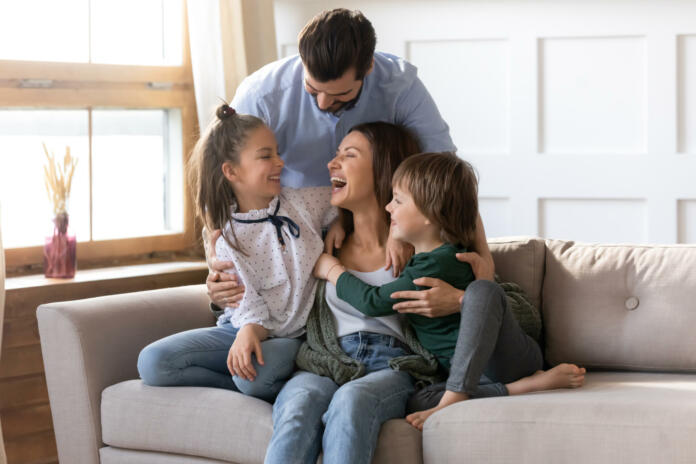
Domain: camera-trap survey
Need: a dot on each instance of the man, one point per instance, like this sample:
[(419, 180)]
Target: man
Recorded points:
[(311, 101)]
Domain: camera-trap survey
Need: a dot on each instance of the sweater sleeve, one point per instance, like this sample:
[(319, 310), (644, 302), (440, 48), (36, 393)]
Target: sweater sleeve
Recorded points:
[(376, 301)]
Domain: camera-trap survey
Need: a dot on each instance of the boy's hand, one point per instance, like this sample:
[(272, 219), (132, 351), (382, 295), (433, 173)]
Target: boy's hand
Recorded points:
[(441, 299), (398, 254), (334, 237), (248, 341), (324, 264)]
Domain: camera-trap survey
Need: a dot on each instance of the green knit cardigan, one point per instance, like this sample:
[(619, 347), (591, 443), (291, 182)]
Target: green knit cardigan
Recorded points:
[(322, 355)]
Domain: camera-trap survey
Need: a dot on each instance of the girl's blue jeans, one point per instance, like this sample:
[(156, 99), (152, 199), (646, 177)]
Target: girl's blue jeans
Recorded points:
[(313, 413), (198, 358)]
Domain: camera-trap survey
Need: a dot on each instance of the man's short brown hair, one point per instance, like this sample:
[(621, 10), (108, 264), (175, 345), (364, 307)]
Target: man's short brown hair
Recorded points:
[(445, 189), (335, 41)]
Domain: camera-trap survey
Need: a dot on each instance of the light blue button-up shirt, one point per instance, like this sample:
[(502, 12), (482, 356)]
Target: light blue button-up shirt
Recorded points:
[(308, 137)]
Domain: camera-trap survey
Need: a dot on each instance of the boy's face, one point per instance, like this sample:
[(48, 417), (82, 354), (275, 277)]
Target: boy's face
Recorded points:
[(333, 95), (407, 222)]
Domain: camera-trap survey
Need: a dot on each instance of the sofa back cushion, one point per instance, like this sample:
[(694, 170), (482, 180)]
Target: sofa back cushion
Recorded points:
[(620, 306), (520, 260)]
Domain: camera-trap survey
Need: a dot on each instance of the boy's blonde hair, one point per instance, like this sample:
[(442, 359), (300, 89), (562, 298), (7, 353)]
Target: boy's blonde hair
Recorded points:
[(445, 190)]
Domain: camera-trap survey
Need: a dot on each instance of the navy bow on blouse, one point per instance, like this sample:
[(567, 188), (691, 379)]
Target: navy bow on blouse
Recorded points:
[(277, 221)]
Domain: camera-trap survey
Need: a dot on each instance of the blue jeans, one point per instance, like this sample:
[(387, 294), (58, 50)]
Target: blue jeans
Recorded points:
[(198, 358), (312, 412)]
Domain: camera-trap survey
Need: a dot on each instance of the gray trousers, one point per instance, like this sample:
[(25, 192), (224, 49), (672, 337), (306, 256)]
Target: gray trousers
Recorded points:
[(491, 350)]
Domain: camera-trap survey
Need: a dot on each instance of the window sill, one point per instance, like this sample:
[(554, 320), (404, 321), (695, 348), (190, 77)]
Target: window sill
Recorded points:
[(106, 274)]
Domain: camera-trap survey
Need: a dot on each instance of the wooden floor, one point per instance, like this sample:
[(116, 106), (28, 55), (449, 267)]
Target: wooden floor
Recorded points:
[(24, 409)]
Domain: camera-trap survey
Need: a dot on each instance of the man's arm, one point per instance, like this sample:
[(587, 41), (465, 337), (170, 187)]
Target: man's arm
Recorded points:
[(417, 111)]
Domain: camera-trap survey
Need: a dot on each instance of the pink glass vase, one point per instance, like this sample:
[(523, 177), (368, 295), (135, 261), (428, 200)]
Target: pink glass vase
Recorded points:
[(60, 250)]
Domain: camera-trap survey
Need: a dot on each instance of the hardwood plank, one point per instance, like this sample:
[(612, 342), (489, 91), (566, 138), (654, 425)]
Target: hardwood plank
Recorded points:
[(23, 391), (29, 449), (25, 360), (20, 332), (26, 420)]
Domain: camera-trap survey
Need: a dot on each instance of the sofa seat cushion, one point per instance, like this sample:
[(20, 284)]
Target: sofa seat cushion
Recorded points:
[(614, 417), (215, 424), (196, 421)]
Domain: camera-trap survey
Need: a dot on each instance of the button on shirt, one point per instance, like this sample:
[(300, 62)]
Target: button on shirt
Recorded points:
[(308, 137)]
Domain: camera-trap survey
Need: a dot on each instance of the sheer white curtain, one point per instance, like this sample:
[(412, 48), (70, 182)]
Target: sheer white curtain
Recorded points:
[(3, 459), (229, 40)]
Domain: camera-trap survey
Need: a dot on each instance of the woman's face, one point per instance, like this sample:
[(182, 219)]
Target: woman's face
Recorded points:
[(351, 172)]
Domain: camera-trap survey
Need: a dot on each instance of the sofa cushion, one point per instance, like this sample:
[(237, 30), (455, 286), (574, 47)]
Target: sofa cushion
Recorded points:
[(620, 307), (615, 417), (520, 260), (215, 424)]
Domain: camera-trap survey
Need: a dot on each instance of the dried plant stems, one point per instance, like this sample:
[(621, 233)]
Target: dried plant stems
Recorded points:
[(58, 179)]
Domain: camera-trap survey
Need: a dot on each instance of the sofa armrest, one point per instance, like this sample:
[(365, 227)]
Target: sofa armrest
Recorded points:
[(90, 344)]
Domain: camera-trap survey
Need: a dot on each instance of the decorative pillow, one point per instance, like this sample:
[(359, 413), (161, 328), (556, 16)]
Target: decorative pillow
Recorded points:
[(620, 306)]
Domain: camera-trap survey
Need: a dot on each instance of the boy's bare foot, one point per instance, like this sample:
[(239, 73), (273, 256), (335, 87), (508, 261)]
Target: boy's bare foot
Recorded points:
[(417, 419), (561, 376)]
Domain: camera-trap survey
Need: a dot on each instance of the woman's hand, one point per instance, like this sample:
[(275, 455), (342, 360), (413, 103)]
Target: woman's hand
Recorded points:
[(248, 341), (482, 265), (441, 299), (398, 254), (224, 288), (334, 237), (325, 265)]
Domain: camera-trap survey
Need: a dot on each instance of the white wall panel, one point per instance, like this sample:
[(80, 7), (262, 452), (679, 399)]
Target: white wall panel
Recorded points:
[(687, 93), (497, 217), (471, 88), (593, 93), (589, 100), (593, 220), (687, 221)]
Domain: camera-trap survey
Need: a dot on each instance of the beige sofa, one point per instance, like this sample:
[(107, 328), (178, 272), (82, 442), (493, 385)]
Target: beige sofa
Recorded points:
[(627, 313)]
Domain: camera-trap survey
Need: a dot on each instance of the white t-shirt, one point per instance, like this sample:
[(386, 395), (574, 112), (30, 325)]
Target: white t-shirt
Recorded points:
[(349, 320), (279, 286)]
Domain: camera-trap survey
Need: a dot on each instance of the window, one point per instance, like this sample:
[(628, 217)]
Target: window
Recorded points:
[(112, 80)]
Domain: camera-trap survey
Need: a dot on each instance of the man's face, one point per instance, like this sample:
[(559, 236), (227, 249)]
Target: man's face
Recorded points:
[(333, 95)]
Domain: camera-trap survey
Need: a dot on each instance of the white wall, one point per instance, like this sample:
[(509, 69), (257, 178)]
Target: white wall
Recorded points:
[(580, 116)]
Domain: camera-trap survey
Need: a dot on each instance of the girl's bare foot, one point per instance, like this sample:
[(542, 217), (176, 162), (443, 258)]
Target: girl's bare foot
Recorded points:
[(417, 419), (561, 376)]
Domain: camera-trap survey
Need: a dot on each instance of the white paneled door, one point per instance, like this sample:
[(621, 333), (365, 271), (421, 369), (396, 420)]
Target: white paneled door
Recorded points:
[(580, 117)]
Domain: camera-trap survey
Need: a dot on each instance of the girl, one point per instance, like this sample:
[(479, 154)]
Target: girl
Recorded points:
[(272, 235), (425, 213)]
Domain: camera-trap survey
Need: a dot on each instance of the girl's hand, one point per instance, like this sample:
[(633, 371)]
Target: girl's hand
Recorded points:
[(334, 237), (441, 299), (398, 254), (324, 264), (248, 341), (224, 289)]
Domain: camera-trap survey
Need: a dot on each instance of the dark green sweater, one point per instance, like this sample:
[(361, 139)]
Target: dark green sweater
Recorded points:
[(438, 334)]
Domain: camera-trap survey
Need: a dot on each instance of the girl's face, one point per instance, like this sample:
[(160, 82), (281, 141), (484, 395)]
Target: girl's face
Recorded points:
[(256, 178), (408, 224), (351, 172)]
